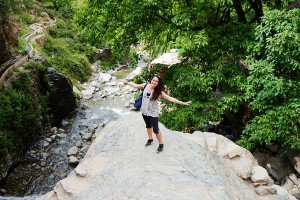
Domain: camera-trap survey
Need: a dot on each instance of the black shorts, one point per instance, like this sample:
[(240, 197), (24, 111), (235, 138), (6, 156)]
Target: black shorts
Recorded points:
[(151, 122)]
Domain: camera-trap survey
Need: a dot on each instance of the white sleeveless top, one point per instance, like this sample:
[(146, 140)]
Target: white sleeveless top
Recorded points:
[(149, 108)]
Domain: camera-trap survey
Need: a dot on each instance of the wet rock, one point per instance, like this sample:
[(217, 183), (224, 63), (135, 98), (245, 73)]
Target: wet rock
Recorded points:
[(72, 151), (87, 94), (43, 163), (61, 135), (73, 160), (48, 140), (53, 137), (83, 128), (3, 190), (60, 130), (54, 130), (44, 155), (87, 136), (104, 77), (78, 143), (45, 143)]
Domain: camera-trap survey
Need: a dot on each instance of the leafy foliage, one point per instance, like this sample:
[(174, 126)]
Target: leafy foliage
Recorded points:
[(6, 7), (157, 23), (273, 85), (35, 65), (68, 52), (64, 6), (22, 114), (214, 38), (210, 78)]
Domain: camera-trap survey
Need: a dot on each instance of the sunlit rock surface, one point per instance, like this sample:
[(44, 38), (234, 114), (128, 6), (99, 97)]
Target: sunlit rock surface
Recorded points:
[(118, 166)]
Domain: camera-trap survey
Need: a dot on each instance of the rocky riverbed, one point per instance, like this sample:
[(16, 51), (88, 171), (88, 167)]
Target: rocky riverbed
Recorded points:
[(56, 155)]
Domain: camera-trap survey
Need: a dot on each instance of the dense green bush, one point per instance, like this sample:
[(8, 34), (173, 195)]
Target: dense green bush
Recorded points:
[(68, 52), (35, 65), (22, 46), (26, 18), (63, 6), (22, 112), (65, 59)]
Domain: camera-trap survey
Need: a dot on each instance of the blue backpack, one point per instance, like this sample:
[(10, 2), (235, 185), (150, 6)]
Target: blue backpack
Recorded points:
[(138, 101)]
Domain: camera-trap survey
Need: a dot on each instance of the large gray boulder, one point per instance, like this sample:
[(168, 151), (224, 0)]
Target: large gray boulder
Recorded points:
[(118, 166)]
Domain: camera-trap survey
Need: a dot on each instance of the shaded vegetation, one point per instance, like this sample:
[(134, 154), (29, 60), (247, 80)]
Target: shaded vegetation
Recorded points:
[(23, 113)]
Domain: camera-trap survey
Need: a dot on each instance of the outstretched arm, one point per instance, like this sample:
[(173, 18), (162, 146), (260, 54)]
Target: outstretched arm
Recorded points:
[(132, 84), (174, 100)]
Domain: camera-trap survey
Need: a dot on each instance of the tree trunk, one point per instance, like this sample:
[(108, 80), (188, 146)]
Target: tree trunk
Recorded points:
[(239, 11), (256, 5)]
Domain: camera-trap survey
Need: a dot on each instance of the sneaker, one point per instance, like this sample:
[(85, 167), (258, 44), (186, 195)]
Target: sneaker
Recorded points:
[(160, 148), (149, 142)]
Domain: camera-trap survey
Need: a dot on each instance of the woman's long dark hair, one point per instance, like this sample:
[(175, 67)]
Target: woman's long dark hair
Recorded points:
[(158, 89)]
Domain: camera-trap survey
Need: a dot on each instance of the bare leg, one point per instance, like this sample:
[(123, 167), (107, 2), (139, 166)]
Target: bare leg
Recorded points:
[(149, 131), (159, 137)]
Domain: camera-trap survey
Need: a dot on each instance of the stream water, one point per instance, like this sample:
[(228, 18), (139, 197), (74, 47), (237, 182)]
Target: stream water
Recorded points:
[(44, 165)]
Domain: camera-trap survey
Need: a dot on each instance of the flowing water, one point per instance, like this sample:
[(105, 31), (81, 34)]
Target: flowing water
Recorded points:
[(44, 165)]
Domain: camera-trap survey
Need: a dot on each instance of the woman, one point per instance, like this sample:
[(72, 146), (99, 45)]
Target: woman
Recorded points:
[(150, 110)]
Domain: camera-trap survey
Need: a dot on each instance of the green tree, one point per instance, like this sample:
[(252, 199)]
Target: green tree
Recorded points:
[(64, 6), (273, 85), (158, 23), (7, 7), (213, 38)]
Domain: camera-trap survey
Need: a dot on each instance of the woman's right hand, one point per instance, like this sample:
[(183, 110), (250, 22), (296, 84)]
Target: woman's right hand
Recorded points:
[(187, 103)]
